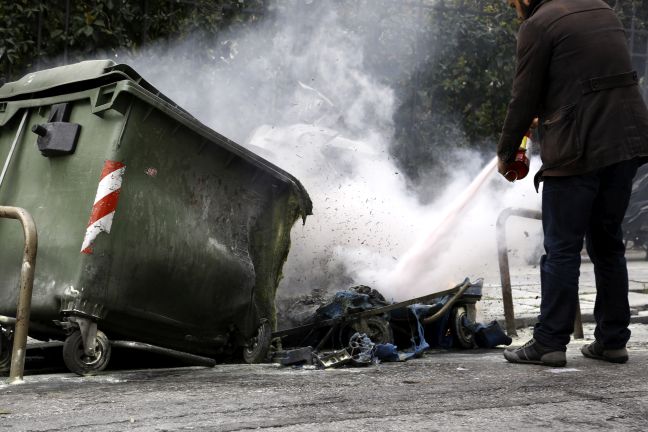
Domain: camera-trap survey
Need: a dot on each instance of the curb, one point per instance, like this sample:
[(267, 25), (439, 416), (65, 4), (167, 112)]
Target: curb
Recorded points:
[(523, 322)]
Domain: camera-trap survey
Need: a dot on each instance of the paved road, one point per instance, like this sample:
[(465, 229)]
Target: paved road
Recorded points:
[(469, 390), (460, 390)]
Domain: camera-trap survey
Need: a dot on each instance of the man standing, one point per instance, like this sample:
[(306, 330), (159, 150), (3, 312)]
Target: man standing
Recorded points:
[(574, 73)]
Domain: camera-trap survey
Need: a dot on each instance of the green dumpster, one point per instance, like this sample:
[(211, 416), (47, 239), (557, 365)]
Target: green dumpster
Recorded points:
[(152, 227)]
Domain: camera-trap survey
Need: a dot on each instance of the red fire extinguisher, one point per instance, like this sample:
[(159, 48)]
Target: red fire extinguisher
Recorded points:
[(519, 168)]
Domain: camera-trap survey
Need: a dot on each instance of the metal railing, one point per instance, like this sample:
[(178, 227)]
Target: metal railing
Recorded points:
[(638, 47), (25, 295), (505, 274)]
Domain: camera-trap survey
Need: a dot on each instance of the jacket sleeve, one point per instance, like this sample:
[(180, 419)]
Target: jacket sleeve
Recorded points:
[(533, 57)]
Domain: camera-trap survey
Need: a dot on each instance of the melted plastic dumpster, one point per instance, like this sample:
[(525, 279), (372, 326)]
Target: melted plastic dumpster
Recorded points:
[(152, 227)]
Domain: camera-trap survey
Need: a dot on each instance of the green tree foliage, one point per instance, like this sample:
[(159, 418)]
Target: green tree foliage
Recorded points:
[(74, 30), (18, 25), (629, 9), (450, 62), (458, 96)]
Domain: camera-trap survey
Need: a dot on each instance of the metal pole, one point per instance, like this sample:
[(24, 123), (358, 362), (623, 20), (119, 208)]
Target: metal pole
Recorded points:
[(39, 37), (67, 28), (145, 24), (505, 275), (186, 357), (26, 286), (632, 30), (7, 320)]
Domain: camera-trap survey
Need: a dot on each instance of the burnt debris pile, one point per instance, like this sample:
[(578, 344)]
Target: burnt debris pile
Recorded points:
[(358, 326)]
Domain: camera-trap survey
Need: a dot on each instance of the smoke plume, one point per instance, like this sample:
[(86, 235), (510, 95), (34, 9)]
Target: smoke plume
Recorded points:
[(295, 89)]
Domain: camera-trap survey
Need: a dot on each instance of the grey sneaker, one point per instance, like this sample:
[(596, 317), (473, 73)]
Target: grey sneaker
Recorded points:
[(596, 351), (534, 353)]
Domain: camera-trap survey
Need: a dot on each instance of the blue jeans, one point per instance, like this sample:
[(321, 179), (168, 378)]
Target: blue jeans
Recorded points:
[(589, 206)]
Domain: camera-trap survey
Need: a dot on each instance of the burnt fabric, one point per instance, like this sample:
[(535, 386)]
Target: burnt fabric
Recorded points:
[(488, 335), (353, 300), (574, 72)]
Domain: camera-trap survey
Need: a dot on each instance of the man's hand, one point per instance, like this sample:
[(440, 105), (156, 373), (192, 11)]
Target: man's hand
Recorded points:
[(501, 168)]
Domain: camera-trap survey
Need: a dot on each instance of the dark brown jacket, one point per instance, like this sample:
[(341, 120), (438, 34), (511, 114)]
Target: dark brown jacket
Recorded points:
[(574, 72)]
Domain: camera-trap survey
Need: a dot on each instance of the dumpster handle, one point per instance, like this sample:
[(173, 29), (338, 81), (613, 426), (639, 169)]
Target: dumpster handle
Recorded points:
[(13, 147), (26, 285), (104, 98)]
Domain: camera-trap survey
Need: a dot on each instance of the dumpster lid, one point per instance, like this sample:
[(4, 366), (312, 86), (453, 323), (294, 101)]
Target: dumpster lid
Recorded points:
[(96, 73), (36, 82), (72, 78)]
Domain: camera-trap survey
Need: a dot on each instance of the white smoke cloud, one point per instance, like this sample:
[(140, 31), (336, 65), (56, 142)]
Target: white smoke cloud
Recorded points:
[(296, 91)]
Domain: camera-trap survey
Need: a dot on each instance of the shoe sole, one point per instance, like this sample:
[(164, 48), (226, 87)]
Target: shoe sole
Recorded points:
[(512, 358), (618, 360)]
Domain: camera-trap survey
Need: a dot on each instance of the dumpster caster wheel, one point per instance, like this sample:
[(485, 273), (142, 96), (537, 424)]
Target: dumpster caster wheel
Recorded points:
[(5, 352), (462, 335), (80, 363), (257, 348)]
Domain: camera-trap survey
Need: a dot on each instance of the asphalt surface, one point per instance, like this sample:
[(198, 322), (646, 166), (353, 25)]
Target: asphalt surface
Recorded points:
[(443, 390)]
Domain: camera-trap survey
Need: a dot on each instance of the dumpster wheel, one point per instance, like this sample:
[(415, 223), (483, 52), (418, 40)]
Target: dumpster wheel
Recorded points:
[(257, 348), (5, 352), (463, 336), (80, 363)]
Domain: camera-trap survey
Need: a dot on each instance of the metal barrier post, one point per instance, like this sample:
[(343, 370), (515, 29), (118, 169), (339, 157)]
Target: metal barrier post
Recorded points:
[(505, 275), (26, 285)]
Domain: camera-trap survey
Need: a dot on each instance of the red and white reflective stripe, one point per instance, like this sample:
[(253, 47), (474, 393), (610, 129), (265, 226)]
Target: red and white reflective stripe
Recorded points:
[(105, 203)]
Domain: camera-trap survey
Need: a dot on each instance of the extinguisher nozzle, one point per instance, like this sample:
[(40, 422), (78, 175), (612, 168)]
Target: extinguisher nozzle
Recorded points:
[(511, 175)]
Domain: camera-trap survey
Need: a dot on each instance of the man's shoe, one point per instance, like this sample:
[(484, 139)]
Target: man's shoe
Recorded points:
[(596, 351), (534, 353)]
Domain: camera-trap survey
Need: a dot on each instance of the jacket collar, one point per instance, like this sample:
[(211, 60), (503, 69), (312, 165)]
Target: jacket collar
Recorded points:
[(535, 5)]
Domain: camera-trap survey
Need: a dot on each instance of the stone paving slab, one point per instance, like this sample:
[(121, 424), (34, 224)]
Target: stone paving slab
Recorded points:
[(525, 284)]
